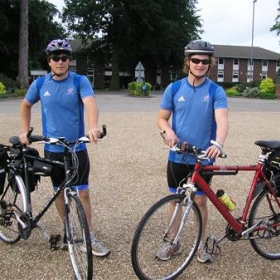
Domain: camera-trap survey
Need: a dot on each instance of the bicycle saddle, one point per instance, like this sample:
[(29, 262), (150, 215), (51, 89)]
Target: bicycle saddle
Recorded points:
[(271, 144)]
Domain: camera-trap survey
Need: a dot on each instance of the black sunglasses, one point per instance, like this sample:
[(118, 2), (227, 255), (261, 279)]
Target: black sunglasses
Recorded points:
[(197, 61), (56, 58)]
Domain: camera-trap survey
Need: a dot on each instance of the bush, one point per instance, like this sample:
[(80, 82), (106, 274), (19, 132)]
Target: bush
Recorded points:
[(2, 89), (267, 86), (232, 92), (20, 92), (139, 89), (251, 92), (267, 95)]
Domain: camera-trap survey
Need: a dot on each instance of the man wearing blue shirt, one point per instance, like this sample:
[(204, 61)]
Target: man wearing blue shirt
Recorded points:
[(63, 96), (199, 111)]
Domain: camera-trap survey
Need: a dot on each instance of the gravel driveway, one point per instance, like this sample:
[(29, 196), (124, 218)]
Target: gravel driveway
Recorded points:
[(128, 176)]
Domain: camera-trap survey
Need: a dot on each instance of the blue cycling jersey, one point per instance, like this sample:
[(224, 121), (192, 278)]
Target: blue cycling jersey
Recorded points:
[(193, 118), (62, 108)]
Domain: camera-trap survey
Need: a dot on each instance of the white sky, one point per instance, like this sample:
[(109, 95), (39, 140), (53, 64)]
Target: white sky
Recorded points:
[(230, 22)]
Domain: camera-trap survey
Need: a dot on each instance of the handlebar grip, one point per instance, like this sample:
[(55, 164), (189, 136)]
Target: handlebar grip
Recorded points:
[(185, 147), (29, 132), (104, 131), (36, 138)]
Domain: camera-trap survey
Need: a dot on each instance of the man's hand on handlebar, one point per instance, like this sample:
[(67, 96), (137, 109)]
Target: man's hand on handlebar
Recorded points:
[(170, 138), (213, 152), (94, 134)]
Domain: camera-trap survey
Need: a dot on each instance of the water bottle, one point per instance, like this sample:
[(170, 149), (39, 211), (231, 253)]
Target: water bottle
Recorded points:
[(226, 200)]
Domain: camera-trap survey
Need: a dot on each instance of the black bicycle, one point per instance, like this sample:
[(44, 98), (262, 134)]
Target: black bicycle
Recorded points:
[(20, 169)]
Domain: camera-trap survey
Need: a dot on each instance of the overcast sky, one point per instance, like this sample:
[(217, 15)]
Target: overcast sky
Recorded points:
[(230, 22)]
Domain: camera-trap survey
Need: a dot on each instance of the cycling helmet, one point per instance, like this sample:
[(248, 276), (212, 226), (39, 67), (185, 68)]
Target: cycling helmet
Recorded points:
[(58, 45), (199, 47)]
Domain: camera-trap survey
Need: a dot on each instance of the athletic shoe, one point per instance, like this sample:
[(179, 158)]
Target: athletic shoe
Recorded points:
[(98, 249), (202, 255), (169, 250)]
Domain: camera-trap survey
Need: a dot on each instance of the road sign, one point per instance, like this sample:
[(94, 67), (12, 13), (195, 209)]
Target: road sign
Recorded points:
[(140, 72)]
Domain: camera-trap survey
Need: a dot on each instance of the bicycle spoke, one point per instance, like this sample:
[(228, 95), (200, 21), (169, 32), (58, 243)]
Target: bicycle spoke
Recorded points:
[(151, 235), (11, 204), (266, 238), (78, 238)]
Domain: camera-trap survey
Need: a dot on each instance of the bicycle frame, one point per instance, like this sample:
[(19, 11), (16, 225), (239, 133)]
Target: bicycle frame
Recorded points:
[(63, 186), (238, 226)]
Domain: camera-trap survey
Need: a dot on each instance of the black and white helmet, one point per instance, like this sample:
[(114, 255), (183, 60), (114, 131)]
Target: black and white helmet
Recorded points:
[(199, 47), (58, 45)]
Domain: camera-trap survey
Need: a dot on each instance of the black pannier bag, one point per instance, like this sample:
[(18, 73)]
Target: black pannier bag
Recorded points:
[(273, 161), (3, 167), (17, 160), (41, 168), (273, 167)]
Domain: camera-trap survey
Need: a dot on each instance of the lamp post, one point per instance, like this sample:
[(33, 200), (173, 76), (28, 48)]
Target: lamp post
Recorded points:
[(252, 45)]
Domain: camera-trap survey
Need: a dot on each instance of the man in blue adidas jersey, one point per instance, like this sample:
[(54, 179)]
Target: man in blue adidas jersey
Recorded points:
[(63, 96), (199, 111)]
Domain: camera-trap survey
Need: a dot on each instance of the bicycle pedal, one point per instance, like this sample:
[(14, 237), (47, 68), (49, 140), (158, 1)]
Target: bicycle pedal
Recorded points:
[(54, 239)]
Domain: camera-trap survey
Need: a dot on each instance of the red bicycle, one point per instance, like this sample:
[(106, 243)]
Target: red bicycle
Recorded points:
[(259, 223)]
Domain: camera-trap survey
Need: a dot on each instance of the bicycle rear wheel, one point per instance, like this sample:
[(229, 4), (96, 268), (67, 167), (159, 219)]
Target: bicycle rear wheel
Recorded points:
[(12, 205), (266, 238), (153, 233), (78, 238)]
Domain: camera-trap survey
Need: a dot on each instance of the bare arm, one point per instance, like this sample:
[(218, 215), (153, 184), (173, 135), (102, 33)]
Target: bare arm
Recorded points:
[(92, 117), (25, 119), (221, 116), (163, 124)]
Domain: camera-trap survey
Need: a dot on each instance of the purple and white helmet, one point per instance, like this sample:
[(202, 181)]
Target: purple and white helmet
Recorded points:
[(58, 45)]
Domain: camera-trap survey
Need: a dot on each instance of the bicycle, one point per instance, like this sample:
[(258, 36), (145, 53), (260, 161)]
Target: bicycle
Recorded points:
[(259, 222), (23, 166)]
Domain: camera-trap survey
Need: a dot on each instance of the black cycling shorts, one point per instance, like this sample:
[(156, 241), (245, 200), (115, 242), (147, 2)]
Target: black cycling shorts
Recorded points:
[(177, 172), (80, 181)]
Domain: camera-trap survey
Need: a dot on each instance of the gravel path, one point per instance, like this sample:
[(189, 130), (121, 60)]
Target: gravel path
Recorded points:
[(128, 176)]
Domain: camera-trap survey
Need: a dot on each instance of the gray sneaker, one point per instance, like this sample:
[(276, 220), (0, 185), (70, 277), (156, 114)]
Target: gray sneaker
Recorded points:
[(202, 255), (98, 249), (169, 250)]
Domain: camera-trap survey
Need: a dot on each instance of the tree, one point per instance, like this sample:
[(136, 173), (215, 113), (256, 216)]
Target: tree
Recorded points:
[(153, 31), (23, 45), (41, 29)]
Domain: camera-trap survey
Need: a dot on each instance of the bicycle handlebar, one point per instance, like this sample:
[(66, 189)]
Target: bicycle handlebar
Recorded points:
[(184, 147), (40, 138)]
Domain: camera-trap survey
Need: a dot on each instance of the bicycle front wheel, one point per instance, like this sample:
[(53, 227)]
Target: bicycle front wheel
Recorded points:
[(154, 232), (265, 239), (78, 238), (12, 206)]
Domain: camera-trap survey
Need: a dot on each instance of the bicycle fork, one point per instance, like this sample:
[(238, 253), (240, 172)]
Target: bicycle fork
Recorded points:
[(178, 207)]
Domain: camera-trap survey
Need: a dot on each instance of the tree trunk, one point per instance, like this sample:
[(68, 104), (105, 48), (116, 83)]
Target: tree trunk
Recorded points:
[(23, 45), (115, 80)]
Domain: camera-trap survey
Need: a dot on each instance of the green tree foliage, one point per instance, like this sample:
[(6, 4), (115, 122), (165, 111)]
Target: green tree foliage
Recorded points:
[(123, 32), (42, 29)]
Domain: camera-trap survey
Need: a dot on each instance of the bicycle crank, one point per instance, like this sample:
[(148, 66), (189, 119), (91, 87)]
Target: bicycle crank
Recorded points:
[(24, 226)]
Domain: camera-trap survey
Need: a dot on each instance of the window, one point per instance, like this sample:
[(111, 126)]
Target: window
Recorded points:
[(235, 61), (220, 76), (264, 62), (235, 76)]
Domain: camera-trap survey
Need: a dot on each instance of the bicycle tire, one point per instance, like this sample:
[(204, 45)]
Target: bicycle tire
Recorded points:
[(12, 204), (265, 242), (78, 238), (148, 239)]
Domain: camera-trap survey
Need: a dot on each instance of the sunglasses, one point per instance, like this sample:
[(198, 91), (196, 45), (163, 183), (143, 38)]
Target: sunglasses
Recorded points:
[(197, 61), (56, 58)]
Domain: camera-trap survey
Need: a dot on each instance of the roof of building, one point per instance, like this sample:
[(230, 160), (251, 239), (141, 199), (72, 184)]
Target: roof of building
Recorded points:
[(224, 51), (228, 51)]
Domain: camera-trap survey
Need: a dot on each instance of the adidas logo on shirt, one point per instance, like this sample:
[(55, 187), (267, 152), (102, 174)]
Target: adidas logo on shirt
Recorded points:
[(47, 93), (181, 99)]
